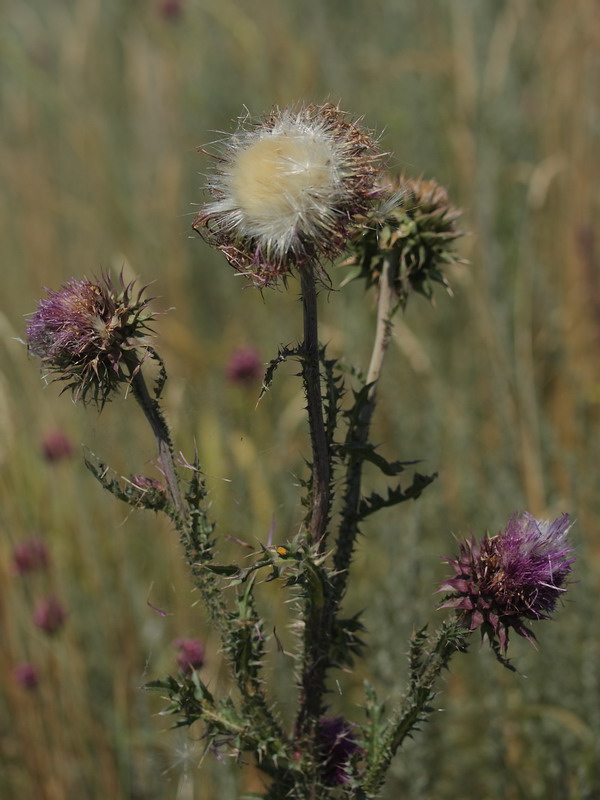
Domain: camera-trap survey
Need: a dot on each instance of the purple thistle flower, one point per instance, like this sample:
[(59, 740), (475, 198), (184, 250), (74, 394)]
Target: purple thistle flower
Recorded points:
[(26, 675), (56, 445), (337, 745), (190, 655), (170, 9), (49, 615), (87, 334), (30, 555), (518, 575), (245, 366)]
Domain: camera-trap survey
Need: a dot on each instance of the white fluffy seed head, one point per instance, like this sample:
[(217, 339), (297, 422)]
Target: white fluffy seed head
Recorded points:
[(286, 190)]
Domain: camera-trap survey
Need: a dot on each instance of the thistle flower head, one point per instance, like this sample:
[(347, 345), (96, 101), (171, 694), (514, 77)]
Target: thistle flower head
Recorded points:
[(49, 615), (245, 366), (190, 654), (287, 189), (416, 223), (91, 335), (337, 745), (30, 555), (518, 575), (26, 675), (56, 446)]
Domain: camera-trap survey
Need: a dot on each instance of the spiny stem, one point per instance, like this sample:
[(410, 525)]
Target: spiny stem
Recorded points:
[(386, 306), (253, 696), (157, 422), (311, 376), (315, 658), (449, 639)]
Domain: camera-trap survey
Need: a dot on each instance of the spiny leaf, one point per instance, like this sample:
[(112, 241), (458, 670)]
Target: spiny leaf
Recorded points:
[(375, 502), (367, 452), (284, 353)]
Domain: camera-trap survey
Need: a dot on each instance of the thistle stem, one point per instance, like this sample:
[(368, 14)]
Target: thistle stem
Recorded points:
[(316, 625), (311, 375), (159, 426), (386, 306), (449, 639), (254, 701)]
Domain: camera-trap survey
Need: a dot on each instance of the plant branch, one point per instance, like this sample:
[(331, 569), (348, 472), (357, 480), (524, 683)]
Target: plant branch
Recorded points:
[(157, 422), (386, 306), (195, 531), (426, 668), (311, 375)]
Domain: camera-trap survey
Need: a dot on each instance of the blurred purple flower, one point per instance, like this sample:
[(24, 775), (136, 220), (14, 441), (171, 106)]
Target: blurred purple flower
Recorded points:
[(337, 745), (190, 655), (245, 366), (49, 615), (26, 675), (56, 445), (30, 555), (170, 9), (518, 575)]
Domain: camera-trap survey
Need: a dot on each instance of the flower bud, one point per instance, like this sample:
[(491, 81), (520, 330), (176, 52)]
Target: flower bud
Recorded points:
[(416, 225)]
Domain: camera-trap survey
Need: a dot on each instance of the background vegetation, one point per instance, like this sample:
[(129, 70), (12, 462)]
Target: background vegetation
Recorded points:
[(102, 106)]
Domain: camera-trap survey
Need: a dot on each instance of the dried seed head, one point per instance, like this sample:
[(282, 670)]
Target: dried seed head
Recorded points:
[(92, 335), (287, 189), (517, 575), (415, 223)]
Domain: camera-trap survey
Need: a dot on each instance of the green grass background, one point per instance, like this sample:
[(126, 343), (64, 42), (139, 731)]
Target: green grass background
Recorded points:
[(103, 104)]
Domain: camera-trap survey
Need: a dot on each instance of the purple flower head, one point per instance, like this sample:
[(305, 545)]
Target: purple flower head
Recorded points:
[(88, 334), (26, 675), (337, 745), (56, 445), (49, 615), (518, 575), (190, 655), (245, 366), (30, 555)]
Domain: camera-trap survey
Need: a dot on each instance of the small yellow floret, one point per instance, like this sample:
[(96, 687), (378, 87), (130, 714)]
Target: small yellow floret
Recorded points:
[(276, 179)]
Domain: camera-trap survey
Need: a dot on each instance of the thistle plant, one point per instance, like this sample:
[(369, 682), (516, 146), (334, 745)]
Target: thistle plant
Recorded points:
[(289, 194)]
